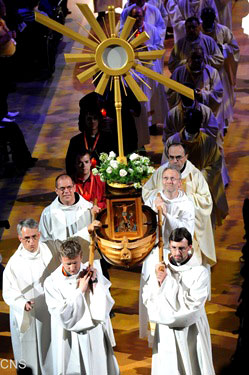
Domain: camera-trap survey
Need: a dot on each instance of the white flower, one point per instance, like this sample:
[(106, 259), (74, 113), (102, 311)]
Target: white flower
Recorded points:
[(151, 170), (103, 156), (130, 170), (112, 155), (114, 164), (145, 160), (134, 156), (109, 170), (102, 178), (94, 171), (137, 185), (140, 170), (122, 172)]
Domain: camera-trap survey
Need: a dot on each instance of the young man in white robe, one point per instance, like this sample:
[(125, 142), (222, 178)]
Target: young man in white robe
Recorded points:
[(80, 342), (177, 211), (23, 281), (175, 297)]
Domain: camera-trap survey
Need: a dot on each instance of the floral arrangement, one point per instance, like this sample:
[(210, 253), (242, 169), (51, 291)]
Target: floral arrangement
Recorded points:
[(111, 170)]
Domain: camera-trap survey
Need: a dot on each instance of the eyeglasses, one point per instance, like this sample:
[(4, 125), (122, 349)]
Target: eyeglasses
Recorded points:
[(177, 158), (29, 238), (171, 179), (63, 188)]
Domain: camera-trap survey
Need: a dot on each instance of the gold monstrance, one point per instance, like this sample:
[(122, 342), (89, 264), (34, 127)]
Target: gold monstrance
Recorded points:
[(128, 233)]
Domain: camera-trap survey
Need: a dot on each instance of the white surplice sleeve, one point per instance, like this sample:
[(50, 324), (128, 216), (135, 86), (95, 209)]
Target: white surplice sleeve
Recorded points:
[(14, 297), (72, 313), (174, 304)]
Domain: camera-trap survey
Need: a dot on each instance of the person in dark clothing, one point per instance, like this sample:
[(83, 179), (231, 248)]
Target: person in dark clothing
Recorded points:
[(95, 132)]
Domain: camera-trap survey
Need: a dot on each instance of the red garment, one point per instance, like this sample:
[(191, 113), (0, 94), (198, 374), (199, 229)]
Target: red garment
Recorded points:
[(93, 188)]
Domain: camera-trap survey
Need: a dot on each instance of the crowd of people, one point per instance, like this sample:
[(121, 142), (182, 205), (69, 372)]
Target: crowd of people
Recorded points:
[(61, 305)]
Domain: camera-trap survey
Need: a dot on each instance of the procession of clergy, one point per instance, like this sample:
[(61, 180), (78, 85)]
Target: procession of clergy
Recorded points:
[(59, 315)]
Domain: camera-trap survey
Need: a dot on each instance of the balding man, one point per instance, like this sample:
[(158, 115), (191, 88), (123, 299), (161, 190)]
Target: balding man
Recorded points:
[(196, 188)]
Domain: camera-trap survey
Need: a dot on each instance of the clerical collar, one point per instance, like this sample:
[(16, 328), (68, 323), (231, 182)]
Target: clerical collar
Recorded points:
[(172, 260), (183, 167), (76, 196), (189, 107)]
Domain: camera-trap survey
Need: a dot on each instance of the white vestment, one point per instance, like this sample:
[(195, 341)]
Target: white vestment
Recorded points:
[(224, 8), (154, 110), (230, 49), (180, 10), (208, 81), (80, 342), (182, 343), (58, 221), (180, 213), (182, 49), (23, 280), (196, 188)]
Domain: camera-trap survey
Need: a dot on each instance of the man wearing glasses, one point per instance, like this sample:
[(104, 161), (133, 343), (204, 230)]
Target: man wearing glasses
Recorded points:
[(197, 190), (69, 215), (23, 280)]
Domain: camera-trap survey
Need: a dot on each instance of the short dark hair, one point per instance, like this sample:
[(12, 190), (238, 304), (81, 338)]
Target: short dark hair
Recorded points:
[(62, 175), (176, 144), (178, 234), (70, 248), (191, 19), (208, 11)]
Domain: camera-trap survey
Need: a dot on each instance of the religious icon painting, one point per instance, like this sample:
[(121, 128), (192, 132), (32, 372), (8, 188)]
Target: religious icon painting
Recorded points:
[(125, 218)]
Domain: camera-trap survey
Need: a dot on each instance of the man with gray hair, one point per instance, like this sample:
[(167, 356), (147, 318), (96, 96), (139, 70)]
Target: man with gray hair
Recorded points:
[(23, 280), (80, 320)]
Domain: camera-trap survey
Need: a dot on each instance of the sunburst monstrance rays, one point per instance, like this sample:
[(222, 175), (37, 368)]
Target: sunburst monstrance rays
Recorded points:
[(108, 52), (114, 57)]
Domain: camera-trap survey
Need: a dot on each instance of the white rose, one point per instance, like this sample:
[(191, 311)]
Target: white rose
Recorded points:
[(103, 156), (134, 156), (109, 170), (122, 172), (94, 171), (137, 185), (114, 164), (112, 155), (146, 160), (151, 170)]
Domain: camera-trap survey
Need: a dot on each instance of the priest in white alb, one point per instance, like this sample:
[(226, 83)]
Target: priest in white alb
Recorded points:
[(79, 304), (175, 297), (23, 281), (68, 215)]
